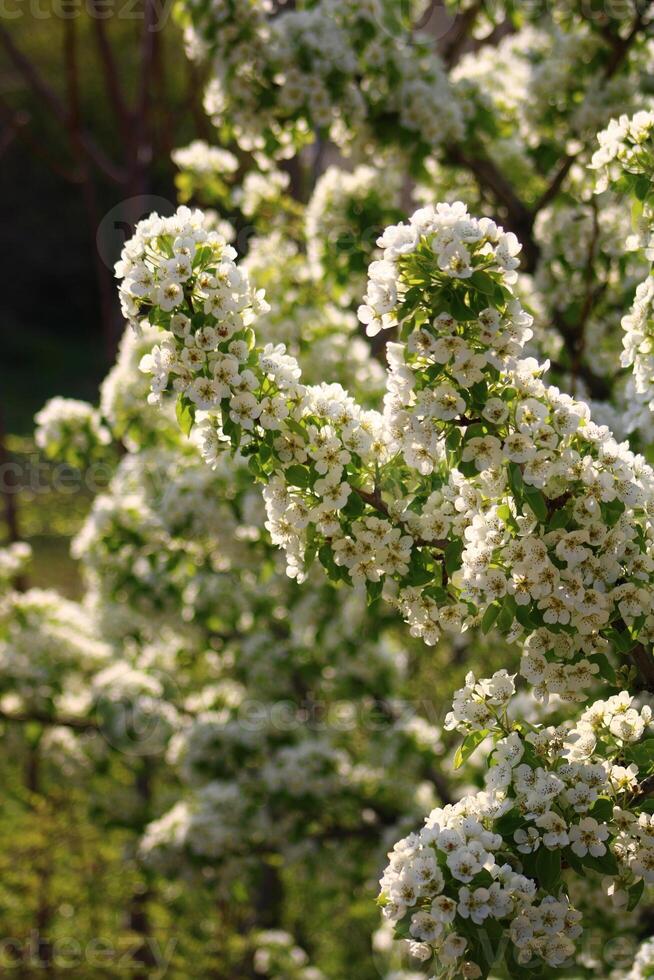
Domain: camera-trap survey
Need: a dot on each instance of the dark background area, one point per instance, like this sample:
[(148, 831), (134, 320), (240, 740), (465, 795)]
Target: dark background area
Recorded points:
[(127, 85)]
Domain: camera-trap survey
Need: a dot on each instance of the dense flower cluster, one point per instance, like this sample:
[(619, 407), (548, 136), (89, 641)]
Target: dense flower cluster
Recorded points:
[(457, 483), (479, 495), (625, 162), (643, 967), (539, 515), (201, 158), (13, 561), (555, 798), (278, 956), (71, 430), (333, 67), (344, 217), (175, 269), (123, 396), (625, 146), (48, 651)]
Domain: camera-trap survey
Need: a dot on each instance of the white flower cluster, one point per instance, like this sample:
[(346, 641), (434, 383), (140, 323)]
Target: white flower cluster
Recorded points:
[(344, 217), (208, 826), (149, 540), (331, 67), (643, 967), (261, 190), (201, 158), (625, 161), (124, 396), (458, 243), (180, 269), (624, 147), (134, 709), (445, 883), (478, 705), (13, 560), (48, 651), (278, 957), (521, 510), (554, 798), (70, 429)]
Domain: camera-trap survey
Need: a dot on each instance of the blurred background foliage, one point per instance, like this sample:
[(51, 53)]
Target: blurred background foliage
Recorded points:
[(52, 203)]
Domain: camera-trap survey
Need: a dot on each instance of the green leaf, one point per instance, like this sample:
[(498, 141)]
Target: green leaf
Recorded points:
[(602, 810), (559, 519), (296, 428), (621, 640), (508, 823), (604, 865), (418, 573), (483, 282), (354, 507), (490, 616), (537, 502), (548, 868), (612, 511), (642, 185), (635, 894), (453, 446), (524, 616), (507, 614), (374, 591), (468, 746), (185, 412), (574, 862), (453, 554), (642, 753), (327, 561), (605, 669), (515, 479), (298, 476)]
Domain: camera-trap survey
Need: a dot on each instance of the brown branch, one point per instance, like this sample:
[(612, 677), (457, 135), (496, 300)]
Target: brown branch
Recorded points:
[(556, 184), (373, 500), (109, 312), (620, 50), (519, 217), (644, 664), (42, 718), (453, 44), (10, 491), (645, 790), (499, 32), (148, 44), (14, 124), (110, 71), (38, 84)]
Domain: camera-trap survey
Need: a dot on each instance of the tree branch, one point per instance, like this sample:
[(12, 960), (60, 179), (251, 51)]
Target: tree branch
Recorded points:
[(644, 664), (112, 81), (59, 110), (42, 718), (620, 49), (452, 45), (519, 217)]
